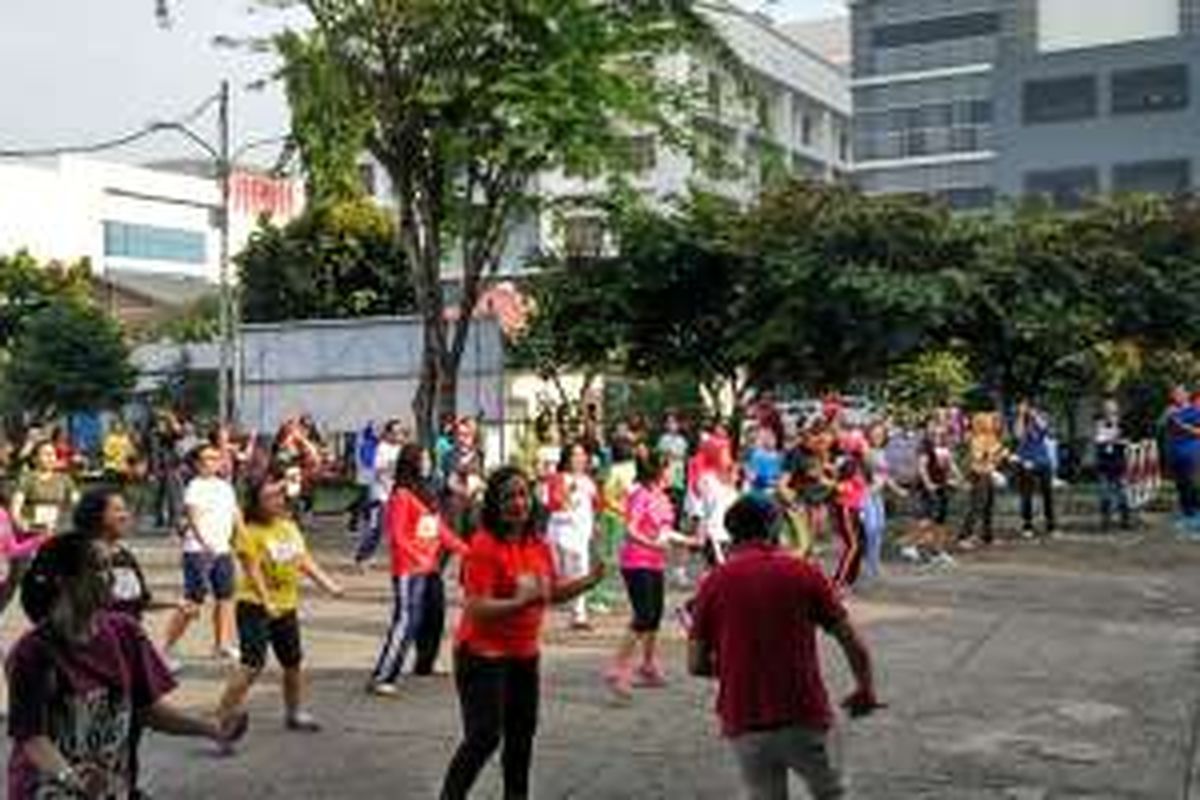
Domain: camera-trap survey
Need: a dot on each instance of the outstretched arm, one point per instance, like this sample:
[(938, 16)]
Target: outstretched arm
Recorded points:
[(863, 700)]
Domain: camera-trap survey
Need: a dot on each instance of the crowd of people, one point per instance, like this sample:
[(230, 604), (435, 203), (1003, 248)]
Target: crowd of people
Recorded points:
[(737, 518)]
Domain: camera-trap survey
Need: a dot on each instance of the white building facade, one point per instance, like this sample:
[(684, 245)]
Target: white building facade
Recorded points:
[(128, 219)]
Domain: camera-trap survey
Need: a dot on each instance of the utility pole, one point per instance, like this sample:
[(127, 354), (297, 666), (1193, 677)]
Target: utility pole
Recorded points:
[(224, 176)]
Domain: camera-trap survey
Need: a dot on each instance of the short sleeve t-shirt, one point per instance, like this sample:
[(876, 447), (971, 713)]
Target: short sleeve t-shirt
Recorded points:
[(46, 500), (650, 515), (759, 612), (675, 447), (83, 699), (278, 547), (214, 508), (130, 593), (571, 525), (764, 468), (490, 569)]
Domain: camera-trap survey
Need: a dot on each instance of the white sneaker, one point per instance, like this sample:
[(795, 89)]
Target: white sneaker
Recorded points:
[(173, 664), (910, 553), (382, 689), (1027, 533), (302, 722), (944, 560), (229, 653)]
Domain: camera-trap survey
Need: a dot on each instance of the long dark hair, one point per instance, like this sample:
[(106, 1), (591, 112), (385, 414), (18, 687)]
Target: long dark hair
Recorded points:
[(254, 508), (650, 468), (408, 474), (89, 513), (492, 514), (62, 560)]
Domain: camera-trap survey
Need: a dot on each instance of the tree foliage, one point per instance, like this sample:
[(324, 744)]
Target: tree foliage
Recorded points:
[(469, 100), (820, 287), (27, 287), (337, 260), (68, 357)]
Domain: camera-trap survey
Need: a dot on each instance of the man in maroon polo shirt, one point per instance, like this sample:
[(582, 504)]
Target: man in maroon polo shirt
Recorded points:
[(754, 629)]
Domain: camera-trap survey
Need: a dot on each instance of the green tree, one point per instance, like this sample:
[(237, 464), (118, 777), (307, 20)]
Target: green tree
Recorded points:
[(69, 357), (579, 323), (195, 323), (329, 125), (930, 379), (27, 286), (337, 260), (845, 285), (691, 287), (469, 100)]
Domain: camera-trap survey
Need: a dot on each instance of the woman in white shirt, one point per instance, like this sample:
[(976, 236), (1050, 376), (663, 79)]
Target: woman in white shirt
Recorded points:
[(573, 499)]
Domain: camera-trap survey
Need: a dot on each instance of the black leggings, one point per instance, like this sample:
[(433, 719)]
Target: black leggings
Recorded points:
[(499, 701), (647, 591)]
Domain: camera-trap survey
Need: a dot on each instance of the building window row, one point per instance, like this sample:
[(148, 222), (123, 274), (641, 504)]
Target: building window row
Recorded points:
[(1077, 97), (151, 243), (961, 126), (1069, 188), (938, 29)]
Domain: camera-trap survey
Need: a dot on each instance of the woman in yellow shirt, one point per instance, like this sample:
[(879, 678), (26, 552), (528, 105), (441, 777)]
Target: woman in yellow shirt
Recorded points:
[(273, 556)]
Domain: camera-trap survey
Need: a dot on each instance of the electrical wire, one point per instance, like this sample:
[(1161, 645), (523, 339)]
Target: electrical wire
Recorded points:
[(111, 144)]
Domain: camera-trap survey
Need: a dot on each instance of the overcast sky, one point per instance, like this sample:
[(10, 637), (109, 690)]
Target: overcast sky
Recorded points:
[(81, 70)]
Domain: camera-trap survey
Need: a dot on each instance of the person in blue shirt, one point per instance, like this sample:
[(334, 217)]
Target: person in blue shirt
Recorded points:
[(1183, 451), (1036, 466), (764, 462)]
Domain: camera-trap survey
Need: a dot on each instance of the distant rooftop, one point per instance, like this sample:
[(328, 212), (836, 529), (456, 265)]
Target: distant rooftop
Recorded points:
[(830, 38)]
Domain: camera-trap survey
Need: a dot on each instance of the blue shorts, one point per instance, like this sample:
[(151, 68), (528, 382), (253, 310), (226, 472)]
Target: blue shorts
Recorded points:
[(204, 573)]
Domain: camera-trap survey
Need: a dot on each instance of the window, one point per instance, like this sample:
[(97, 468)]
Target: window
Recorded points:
[(1154, 177), (714, 93), (638, 154), (967, 198), (938, 29), (1064, 188), (366, 178), (1142, 91), (807, 128), (1059, 99), (583, 237), (123, 240)]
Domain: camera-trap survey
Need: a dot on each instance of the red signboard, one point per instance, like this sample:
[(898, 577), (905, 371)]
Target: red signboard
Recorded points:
[(255, 195)]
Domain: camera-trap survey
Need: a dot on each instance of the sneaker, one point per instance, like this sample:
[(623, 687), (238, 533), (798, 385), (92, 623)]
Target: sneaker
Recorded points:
[(581, 625), (619, 684), (1027, 533), (173, 664), (650, 676), (944, 560), (228, 653), (302, 722), (911, 553), (382, 689)]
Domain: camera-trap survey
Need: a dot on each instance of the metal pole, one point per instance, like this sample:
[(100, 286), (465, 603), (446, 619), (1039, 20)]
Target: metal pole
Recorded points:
[(224, 174)]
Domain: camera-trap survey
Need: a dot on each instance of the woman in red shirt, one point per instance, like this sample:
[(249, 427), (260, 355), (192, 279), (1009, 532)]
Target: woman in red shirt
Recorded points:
[(418, 538), (508, 579)]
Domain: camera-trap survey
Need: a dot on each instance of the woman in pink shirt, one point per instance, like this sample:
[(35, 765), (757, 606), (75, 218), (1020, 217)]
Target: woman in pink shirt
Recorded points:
[(15, 553), (650, 531)]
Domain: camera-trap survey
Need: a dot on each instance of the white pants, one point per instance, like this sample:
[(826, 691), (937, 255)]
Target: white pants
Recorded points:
[(574, 563)]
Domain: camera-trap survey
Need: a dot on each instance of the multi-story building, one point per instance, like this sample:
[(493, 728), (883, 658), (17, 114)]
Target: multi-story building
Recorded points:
[(795, 120), (976, 100), (129, 219)]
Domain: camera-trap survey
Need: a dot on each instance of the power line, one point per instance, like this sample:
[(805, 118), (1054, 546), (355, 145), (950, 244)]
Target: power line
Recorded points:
[(109, 144)]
